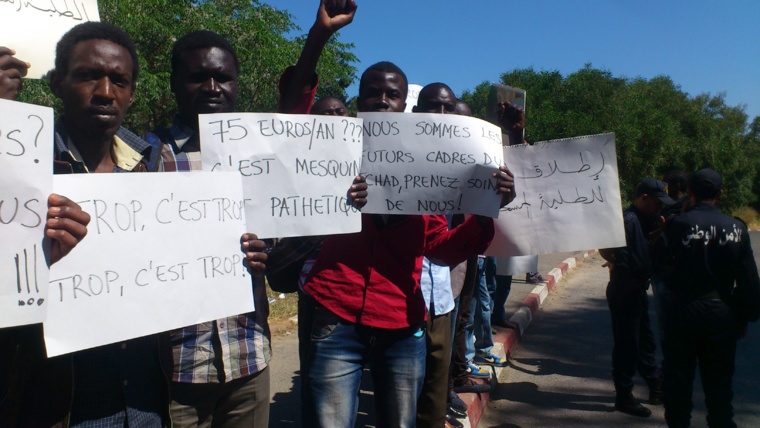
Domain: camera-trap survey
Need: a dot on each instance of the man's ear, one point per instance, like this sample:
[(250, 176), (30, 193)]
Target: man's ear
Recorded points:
[(55, 83), (719, 194)]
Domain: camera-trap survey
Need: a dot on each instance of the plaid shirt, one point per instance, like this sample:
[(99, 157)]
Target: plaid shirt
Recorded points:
[(238, 346), (182, 150), (225, 349)]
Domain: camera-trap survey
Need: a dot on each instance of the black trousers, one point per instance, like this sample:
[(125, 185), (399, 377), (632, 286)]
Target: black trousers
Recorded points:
[(704, 331), (634, 345), (459, 373)]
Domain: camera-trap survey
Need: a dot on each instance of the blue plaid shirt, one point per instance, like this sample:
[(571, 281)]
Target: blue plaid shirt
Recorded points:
[(226, 349)]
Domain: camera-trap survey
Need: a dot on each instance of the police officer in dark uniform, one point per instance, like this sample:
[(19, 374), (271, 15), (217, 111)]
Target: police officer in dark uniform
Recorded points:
[(714, 291), (630, 270)]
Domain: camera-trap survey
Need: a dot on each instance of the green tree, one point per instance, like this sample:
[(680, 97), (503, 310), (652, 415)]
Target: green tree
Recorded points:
[(657, 126), (257, 31)]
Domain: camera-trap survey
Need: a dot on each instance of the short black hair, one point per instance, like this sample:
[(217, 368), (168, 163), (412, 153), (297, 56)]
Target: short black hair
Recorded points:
[(430, 86), (463, 109), (93, 31), (200, 39), (383, 67), (331, 97)]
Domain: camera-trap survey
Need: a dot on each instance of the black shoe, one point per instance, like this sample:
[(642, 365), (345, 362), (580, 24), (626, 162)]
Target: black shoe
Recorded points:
[(472, 386), (655, 392), (655, 397), (534, 278), (451, 420), (456, 407), (629, 405)]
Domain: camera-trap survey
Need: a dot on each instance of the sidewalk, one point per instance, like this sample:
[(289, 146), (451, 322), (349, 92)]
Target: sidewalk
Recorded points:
[(524, 300)]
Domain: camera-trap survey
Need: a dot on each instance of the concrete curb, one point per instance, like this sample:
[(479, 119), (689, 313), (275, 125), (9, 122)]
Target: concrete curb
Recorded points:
[(505, 338)]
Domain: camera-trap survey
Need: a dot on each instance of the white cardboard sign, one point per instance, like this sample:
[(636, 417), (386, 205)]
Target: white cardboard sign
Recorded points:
[(33, 27), (412, 94), (26, 159), (162, 252), (568, 198), (296, 169), (424, 163)]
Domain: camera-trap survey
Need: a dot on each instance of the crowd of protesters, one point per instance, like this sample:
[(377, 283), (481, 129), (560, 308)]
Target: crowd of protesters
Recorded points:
[(409, 297)]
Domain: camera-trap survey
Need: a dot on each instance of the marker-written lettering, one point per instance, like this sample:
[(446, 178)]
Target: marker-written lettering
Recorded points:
[(17, 141), (441, 130), (306, 206), (58, 9), (23, 212)]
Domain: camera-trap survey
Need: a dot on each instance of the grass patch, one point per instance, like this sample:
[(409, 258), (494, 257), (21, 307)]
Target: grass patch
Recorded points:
[(750, 216), (281, 309)]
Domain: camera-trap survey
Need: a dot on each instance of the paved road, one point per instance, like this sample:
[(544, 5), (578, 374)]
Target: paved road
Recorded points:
[(285, 385), (560, 373)]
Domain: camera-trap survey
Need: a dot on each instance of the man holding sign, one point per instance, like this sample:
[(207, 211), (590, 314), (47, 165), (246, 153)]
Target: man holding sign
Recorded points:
[(220, 368), (436, 283), (120, 384), (366, 286)]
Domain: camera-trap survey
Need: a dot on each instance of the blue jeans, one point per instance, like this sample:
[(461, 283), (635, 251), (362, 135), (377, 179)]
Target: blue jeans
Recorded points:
[(339, 351), (481, 310)]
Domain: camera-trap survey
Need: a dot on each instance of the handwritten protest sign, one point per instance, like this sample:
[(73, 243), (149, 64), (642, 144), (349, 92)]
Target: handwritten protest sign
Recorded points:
[(33, 27), (296, 169), (568, 198), (412, 93), (424, 163), (162, 251), (26, 159)]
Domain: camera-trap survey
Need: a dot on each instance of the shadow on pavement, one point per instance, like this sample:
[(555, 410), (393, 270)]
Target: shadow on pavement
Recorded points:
[(528, 392), (550, 366)]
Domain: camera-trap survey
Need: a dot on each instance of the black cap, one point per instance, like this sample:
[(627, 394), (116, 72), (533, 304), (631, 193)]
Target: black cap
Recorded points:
[(656, 188), (705, 182)]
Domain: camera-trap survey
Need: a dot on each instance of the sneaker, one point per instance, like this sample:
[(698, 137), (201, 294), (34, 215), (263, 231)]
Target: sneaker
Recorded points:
[(490, 359), (628, 404), (457, 406), (476, 371), (533, 278), (472, 386), (451, 420)]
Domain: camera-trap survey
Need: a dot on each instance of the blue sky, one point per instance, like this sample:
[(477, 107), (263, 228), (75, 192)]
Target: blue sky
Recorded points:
[(704, 46)]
